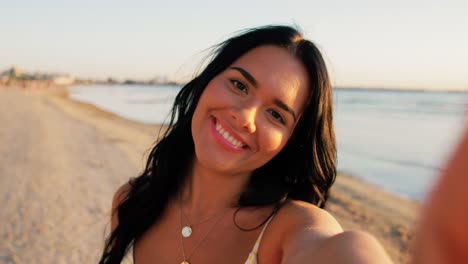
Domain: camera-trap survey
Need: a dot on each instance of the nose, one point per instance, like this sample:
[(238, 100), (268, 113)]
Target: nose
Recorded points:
[(245, 118)]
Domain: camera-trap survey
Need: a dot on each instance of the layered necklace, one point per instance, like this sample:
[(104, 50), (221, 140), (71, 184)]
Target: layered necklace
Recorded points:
[(187, 230)]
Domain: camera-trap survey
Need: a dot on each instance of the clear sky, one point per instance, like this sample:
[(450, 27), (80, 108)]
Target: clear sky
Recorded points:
[(367, 43)]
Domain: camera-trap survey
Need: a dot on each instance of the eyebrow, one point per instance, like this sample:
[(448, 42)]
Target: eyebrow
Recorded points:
[(246, 75), (286, 108), (254, 82)]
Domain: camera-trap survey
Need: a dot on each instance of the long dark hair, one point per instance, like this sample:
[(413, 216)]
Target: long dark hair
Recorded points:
[(304, 170)]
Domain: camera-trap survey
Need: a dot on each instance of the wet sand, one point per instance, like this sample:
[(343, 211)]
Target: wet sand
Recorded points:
[(62, 160)]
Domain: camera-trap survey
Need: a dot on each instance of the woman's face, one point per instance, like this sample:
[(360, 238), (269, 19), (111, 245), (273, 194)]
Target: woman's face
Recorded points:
[(247, 113)]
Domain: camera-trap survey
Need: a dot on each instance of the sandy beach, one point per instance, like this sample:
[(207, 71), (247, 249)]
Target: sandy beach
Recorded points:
[(61, 161)]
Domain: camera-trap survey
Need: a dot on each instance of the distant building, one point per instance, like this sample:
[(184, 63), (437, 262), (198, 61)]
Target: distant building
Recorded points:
[(63, 79), (12, 73), (15, 72)]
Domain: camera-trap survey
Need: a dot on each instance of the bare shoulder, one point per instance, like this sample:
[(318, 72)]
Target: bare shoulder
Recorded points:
[(119, 195), (313, 233), (299, 216), (296, 227), (300, 227)]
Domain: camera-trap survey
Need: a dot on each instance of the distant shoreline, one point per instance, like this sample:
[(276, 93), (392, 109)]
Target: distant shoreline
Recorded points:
[(47, 84), (336, 87), (401, 90)]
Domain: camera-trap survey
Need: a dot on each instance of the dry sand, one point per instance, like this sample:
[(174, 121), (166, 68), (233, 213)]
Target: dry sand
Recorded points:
[(61, 161)]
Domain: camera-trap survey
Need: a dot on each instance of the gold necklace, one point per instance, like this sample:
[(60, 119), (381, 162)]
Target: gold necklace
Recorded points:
[(186, 257)]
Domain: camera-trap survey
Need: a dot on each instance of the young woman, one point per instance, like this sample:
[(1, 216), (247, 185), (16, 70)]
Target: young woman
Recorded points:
[(245, 167)]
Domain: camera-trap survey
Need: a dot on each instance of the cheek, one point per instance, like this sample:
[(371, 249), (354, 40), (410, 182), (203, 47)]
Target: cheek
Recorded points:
[(273, 141), (216, 89), (207, 99)]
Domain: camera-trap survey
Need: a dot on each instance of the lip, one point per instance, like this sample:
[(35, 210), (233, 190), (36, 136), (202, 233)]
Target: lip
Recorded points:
[(226, 144)]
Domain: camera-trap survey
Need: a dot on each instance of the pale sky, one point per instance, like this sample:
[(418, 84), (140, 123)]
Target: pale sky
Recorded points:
[(381, 44)]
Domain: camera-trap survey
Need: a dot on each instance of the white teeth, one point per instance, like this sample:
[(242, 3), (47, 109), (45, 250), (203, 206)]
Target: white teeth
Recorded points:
[(228, 137)]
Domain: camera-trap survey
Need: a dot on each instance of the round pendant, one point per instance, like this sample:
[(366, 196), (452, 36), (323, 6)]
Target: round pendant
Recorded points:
[(186, 231)]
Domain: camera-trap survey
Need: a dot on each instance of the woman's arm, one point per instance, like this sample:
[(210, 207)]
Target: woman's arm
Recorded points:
[(353, 247)]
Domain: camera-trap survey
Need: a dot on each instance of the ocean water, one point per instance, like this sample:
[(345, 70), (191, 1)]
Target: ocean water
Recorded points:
[(397, 140)]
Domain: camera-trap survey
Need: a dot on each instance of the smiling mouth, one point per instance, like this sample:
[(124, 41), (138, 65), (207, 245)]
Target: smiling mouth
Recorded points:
[(228, 137)]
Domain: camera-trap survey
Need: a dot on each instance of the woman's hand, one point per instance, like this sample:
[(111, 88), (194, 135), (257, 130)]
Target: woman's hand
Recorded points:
[(443, 231)]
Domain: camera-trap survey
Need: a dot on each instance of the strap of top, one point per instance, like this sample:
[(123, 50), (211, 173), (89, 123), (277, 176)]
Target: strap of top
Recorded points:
[(128, 257), (257, 243), (252, 258)]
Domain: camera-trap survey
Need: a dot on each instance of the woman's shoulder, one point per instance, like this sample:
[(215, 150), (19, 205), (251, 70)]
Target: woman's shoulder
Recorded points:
[(297, 226), (299, 216), (120, 194), (118, 197)]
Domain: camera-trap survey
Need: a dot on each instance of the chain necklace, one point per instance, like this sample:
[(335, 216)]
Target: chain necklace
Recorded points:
[(186, 228)]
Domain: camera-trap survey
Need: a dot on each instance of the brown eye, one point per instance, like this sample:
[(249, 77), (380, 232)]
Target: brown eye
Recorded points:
[(240, 86), (277, 116)]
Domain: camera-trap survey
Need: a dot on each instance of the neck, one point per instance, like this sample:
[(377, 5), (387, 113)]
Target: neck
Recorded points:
[(208, 192)]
